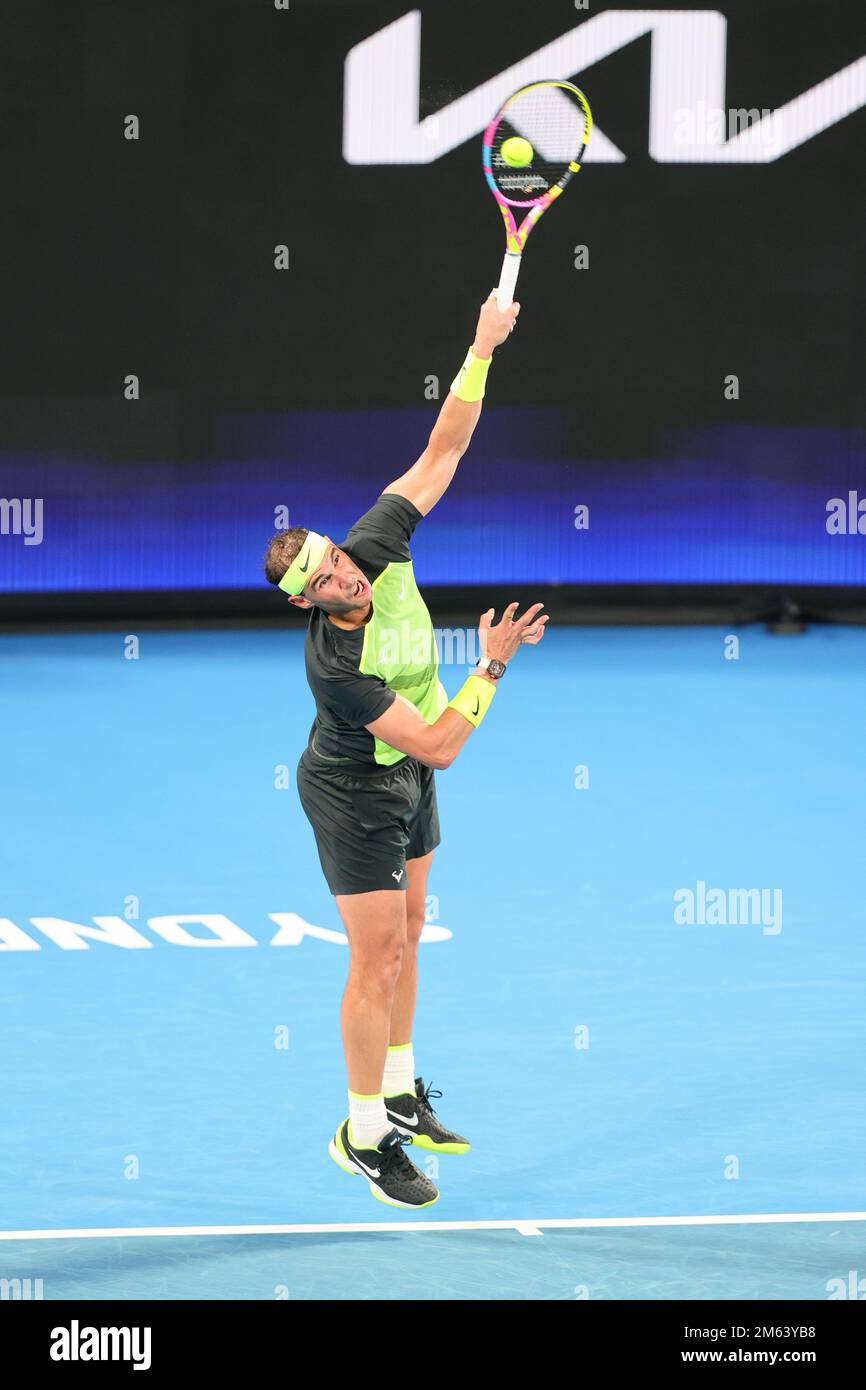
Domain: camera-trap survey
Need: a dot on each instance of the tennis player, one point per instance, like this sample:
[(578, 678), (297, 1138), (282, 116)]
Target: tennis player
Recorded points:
[(383, 725)]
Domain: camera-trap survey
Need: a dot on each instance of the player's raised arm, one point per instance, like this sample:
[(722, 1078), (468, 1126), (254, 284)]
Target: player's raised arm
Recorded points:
[(427, 479)]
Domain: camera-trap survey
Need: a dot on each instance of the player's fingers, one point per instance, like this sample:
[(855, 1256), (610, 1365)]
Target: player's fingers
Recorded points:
[(486, 619), (528, 619), (534, 637)]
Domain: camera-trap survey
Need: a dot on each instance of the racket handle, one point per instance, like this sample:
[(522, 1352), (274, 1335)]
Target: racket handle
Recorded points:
[(508, 279)]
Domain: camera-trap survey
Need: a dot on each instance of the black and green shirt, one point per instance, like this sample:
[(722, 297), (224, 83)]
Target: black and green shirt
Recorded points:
[(355, 675)]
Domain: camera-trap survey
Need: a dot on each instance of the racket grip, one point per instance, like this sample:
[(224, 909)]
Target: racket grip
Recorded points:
[(508, 279)]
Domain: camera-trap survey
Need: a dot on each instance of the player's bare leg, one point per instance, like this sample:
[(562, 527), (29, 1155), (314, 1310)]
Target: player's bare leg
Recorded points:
[(375, 924), (368, 1143), (407, 1101), (405, 993)]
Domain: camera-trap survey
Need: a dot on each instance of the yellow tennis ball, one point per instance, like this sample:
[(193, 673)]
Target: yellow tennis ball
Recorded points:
[(517, 152)]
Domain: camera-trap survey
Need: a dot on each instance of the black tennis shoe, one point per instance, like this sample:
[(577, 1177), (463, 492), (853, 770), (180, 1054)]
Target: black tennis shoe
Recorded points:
[(414, 1116), (392, 1175)]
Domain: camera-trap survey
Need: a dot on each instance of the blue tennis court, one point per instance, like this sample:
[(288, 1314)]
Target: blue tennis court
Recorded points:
[(641, 994)]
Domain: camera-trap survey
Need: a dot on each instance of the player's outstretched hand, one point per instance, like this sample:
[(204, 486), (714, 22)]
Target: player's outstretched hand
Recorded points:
[(494, 325), (502, 639)]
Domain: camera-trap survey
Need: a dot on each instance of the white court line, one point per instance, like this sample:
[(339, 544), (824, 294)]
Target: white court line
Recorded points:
[(522, 1225)]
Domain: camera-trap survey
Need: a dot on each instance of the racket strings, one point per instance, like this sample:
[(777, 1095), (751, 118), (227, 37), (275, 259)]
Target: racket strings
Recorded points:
[(556, 126)]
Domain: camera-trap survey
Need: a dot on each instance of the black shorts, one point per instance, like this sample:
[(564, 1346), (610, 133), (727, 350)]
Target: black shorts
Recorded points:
[(367, 825)]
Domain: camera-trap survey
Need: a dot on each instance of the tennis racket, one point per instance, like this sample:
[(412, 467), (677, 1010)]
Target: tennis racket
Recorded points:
[(544, 128)]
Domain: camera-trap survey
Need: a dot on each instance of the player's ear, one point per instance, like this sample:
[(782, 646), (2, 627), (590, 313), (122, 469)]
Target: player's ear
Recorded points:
[(299, 601)]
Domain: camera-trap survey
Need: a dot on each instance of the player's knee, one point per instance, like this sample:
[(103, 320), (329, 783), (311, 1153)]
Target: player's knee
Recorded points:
[(379, 969), (392, 961)]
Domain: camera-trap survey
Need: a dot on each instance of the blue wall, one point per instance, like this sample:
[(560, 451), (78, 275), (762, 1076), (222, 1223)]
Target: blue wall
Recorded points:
[(706, 505)]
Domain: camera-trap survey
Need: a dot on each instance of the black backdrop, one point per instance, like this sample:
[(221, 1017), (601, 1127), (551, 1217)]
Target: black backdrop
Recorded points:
[(161, 252), (156, 256)]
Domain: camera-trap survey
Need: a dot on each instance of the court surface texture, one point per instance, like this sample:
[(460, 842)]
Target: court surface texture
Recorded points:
[(641, 984)]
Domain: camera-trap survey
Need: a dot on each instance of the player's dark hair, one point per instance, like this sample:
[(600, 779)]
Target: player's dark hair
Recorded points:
[(282, 549)]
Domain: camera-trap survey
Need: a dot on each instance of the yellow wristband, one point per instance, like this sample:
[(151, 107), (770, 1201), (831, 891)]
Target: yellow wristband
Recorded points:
[(473, 699), (468, 385)]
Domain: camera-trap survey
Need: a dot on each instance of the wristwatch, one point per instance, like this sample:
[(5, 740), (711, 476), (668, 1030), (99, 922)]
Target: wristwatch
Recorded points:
[(492, 666)]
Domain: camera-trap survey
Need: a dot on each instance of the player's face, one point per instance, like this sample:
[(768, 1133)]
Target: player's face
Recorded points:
[(338, 586)]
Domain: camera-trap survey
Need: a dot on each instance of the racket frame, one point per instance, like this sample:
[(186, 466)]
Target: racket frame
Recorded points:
[(515, 237)]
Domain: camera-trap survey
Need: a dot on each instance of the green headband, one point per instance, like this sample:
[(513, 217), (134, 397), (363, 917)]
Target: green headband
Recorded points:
[(308, 559)]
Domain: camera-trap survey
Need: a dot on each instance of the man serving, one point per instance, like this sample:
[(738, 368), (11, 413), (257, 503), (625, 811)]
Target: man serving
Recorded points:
[(383, 725)]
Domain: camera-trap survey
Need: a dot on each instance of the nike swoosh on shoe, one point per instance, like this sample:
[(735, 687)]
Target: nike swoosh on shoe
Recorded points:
[(371, 1172), (404, 1119)]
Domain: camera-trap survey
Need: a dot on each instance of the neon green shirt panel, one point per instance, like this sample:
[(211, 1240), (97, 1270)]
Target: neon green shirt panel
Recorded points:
[(400, 648)]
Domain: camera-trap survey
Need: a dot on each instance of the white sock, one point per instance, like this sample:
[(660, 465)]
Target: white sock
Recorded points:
[(367, 1120), (399, 1075)]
